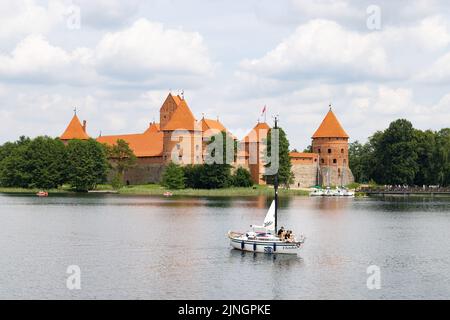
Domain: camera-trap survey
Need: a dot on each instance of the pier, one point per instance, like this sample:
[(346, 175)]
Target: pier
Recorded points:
[(406, 191)]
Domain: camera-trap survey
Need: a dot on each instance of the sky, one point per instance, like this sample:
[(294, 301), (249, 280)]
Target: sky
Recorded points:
[(116, 61)]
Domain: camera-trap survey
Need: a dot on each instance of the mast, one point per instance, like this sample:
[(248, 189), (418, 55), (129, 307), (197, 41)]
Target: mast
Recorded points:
[(275, 186)]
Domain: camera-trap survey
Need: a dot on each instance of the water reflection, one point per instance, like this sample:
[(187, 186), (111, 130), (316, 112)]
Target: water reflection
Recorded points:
[(175, 248), (334, 204), (256, 257)]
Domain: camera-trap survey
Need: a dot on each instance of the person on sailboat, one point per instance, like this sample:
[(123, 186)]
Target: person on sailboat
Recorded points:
[(281, 233)]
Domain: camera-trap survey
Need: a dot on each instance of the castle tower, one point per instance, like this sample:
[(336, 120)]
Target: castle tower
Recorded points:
[(253, 149), (75, 130), (182, 134), (330, 142)]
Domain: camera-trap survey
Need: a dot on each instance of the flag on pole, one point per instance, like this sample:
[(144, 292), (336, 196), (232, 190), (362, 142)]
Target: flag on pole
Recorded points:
[(264, 112)]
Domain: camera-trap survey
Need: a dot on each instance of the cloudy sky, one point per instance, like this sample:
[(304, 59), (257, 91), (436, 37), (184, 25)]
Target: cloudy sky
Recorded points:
[(117, 60)]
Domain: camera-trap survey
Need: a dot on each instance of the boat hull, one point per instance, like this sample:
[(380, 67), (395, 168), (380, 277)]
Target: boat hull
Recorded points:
[(265, 246)]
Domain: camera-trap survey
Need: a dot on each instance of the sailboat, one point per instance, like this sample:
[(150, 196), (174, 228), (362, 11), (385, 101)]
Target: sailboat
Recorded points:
[(264, 238)]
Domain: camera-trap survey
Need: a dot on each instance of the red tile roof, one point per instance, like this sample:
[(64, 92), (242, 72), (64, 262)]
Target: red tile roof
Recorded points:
[(303, 155), (154, 127), (212, 124), (181, 119), (74, 130), (330, 128), (258, 133), (148, 144)]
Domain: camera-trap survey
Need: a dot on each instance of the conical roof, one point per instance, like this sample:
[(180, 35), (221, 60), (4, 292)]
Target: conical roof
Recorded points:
[(330, 128), (74, 130)]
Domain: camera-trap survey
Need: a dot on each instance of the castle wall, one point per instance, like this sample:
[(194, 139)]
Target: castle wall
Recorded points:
[(305, 175), (147, 170), (335, 176)]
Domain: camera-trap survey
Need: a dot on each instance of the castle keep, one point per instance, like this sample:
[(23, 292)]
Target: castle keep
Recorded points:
[(181, 138)]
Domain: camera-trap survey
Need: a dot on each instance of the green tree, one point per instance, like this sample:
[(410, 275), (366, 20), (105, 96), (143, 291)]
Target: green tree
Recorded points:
[(395, 154), (285, 174), (442, 162), (427, 161), (173, 177), (122, 157), (13, 164), (45, 162), (192, 174), (361, 160), (37, 163), (242, 178), (87, 164), (216, 172)]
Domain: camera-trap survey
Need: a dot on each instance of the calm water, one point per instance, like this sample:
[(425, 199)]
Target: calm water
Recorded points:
[(176, 248)]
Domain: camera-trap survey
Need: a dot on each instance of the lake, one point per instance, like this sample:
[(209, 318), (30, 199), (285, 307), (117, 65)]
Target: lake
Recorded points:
[(142, 247)]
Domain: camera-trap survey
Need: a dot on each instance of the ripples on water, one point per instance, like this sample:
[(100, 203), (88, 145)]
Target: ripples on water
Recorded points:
[(176, 248)]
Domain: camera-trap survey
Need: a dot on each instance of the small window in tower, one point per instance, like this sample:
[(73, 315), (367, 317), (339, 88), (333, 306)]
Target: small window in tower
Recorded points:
[(342, 150), (334, 161), (329, 150), (315, 160), (318, 150), (322, 161), (339, 172)]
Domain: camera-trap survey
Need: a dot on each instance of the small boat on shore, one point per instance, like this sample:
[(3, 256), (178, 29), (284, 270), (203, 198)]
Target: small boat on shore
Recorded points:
[(317, 192), (344, 192), (42, 194), (167, 194)]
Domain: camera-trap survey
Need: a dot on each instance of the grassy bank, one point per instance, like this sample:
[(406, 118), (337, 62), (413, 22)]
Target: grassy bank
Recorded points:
[(226, 192), (33, 190), (155, 189)]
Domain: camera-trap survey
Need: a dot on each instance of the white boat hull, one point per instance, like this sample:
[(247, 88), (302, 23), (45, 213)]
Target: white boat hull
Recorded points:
[(270, 247)]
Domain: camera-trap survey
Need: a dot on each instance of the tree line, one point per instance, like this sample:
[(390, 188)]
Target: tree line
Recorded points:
[(46, 163), (403, 155)]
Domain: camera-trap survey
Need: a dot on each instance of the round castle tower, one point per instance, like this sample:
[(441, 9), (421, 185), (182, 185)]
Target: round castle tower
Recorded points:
[(330, 142)]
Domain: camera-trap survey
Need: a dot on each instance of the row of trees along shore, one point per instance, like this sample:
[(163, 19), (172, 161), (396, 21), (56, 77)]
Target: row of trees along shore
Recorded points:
[(403, 155), (46, 163)]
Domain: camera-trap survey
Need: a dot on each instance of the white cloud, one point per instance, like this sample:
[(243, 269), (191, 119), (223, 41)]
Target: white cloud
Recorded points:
[(23, 17), (438, 72), (107, 13), (322, 48), (144, 54), (34, 60), (147, 48)]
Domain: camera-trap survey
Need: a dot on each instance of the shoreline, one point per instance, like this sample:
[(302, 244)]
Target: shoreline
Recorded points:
[(156, 190)]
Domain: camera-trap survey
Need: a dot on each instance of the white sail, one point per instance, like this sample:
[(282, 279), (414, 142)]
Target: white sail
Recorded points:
[(269, 221)]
